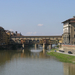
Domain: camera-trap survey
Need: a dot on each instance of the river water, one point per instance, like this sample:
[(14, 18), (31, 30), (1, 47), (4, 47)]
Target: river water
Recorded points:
[(30, 62)]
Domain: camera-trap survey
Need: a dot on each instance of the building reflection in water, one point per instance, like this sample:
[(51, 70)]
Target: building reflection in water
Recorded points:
[(23, 51), (10, 55), (69, 69)]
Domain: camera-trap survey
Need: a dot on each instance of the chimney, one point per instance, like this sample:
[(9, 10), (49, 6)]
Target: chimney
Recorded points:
[(73, 16), (16, 33)]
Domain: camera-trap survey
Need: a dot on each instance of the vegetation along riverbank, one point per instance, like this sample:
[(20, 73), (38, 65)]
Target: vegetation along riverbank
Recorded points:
[(62, 57)]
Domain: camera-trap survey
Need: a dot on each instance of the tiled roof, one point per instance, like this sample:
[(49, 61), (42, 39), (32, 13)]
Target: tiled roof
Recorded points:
[(71, 20)]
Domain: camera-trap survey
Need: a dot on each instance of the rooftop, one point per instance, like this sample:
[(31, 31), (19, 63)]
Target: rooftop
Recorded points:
[(35, 36), (71, 20), (1, 28)]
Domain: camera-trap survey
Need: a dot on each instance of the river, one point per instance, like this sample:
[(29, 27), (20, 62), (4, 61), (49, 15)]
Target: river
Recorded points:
[(27, 62)]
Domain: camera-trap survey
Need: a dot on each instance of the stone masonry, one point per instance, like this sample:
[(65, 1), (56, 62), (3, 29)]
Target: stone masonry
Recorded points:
[(67, 48)]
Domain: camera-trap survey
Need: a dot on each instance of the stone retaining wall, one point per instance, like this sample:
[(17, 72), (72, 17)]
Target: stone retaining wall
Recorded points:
[(67, 48)]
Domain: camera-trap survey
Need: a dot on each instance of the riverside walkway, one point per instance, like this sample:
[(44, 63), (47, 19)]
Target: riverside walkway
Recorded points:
[(61, 52), (66, 53)]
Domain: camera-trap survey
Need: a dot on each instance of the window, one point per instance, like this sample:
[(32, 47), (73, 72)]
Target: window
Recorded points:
[(74, 36)]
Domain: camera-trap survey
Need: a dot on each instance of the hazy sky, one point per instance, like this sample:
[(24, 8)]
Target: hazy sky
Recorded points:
[(36, 17)]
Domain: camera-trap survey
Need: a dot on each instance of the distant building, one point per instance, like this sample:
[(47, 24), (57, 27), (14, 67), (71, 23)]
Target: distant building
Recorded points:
[(4, 38), (11, 33), (69, 31)]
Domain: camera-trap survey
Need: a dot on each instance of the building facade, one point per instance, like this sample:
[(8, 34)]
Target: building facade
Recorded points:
[(69, 31), (4, 38)]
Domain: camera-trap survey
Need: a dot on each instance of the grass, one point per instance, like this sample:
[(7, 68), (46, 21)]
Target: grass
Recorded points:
[(62, 57), (54, 49)]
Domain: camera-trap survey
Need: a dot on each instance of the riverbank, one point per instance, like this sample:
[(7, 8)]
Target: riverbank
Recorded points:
[(62, 57)]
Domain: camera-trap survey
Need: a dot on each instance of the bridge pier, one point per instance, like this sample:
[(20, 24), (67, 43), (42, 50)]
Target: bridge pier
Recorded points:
[(43, 45), (43, 51), (36, 45), (50, 46)]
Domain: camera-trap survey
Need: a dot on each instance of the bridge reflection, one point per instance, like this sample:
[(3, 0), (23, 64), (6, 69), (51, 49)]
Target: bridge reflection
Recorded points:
[(8, 56)]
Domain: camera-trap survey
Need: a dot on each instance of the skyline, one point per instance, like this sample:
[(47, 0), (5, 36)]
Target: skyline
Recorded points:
[(35, 18)]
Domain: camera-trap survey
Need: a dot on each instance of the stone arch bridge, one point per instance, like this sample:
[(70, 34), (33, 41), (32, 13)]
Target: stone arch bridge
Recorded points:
[(37, 39)]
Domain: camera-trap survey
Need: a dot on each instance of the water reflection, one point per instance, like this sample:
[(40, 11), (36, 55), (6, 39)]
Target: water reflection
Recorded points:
[(25, 53), (5, 56), (69, 69), (39, 61), (35, 55)]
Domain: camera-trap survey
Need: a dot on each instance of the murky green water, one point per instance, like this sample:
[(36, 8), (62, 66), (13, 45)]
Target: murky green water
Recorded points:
[(32, 63)]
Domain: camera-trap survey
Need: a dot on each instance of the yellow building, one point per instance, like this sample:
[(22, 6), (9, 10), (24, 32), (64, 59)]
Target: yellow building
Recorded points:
[(4, 38)]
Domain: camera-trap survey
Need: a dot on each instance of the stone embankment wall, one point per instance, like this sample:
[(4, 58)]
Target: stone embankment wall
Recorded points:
[(67, 48)]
